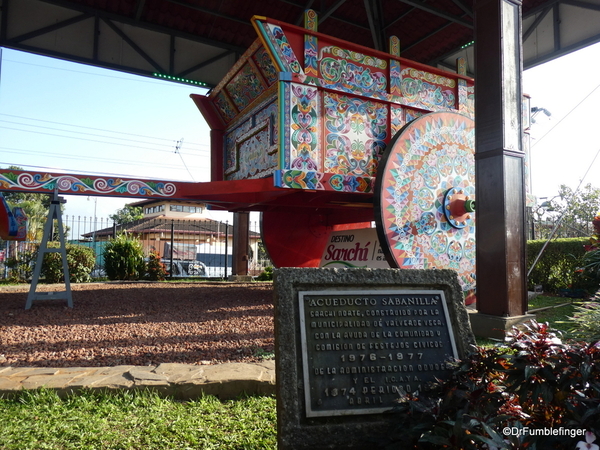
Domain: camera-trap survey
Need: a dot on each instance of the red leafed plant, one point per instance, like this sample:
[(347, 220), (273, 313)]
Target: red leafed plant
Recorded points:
[(532, 381)]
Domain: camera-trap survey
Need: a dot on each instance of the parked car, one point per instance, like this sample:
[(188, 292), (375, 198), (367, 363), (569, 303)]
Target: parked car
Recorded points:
[(185, 268)]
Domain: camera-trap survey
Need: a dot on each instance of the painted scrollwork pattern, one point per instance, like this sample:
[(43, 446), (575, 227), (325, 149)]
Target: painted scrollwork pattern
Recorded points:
[(90, 185), (305, 114), (301, 179), (352, 72), (397, 119), (245, 87), (310, 44), (225, 107), (356, 135), (264, 63), (282, 46), (251, 147), (428, 91), (432, 155)]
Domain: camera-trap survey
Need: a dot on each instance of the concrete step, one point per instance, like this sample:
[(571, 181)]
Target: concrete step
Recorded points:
[(181, 381)]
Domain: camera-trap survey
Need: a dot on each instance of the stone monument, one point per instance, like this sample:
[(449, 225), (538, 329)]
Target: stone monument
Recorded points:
[(349, 342)]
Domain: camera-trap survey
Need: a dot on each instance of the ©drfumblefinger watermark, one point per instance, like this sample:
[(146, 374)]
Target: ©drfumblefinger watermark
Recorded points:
[(526, 431)]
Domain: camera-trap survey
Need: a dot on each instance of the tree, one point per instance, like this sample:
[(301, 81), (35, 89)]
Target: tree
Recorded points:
[(35, 206), (577, 210), (127, 214)]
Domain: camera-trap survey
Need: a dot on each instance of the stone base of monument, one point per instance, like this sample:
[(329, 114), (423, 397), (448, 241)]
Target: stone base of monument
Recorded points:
[(495, 327), (350, 343)]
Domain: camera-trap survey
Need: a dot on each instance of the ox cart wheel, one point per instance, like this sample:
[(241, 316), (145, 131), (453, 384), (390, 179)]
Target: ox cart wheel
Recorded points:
[(425, 197)]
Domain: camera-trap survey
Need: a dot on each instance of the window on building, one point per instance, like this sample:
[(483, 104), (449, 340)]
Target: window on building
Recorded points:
[(154, 209), (187, 209)]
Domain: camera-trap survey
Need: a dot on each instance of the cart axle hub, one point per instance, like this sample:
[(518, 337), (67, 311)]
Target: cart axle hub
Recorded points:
[(458, 208)]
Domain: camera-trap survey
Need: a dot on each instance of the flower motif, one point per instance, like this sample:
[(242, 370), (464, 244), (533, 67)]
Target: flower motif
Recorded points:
[(465, 265), (444, 260), (588, 444), (451, 150), (417, 182)]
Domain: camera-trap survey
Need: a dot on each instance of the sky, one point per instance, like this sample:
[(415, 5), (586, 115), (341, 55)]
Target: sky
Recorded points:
[(565, 146), (66, 117)]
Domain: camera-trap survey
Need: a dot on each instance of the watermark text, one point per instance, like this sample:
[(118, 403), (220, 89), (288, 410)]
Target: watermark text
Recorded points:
[(527, 431)]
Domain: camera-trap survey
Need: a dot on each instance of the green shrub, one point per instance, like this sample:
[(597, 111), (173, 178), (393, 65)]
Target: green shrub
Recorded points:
[(155, 270), (559, 264), (266, 275), (124, 258), (21, 266), (533, 381), (80, 260)]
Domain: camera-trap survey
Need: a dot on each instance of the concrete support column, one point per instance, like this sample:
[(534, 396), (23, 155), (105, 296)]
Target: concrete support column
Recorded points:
[(499, 162)]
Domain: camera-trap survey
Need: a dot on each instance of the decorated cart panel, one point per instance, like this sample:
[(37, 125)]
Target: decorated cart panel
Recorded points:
[(317, 113)]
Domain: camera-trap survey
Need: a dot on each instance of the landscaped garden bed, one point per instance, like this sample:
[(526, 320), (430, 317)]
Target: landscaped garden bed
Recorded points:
[(137, 323)]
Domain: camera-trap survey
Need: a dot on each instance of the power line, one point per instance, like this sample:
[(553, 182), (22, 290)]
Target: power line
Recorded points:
[(96, 129), (565, 116), (96, 159), (79, 132), (171, 142), (558, 222), (91, 140), (177, 150)]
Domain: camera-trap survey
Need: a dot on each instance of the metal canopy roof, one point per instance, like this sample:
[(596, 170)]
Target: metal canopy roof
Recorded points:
[(201, 39)]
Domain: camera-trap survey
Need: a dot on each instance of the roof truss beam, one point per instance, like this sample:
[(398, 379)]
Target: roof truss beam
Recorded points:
[(580, 4), (204, 63), (50, 28), (139, 8), (140, 24), (375, 17), (438, 12), (133, 45)]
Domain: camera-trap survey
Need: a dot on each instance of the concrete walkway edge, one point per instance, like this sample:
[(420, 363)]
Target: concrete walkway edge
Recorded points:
[(181, 381)]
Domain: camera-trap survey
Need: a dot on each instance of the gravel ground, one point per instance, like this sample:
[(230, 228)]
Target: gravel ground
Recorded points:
[(137, 323)]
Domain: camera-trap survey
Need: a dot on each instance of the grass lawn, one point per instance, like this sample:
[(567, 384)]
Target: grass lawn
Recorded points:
[(555, 315), (135, 420), (559, 309)]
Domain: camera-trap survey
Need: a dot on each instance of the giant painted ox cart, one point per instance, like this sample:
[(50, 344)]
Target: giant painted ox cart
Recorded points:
[(322, 135), (347, 136)]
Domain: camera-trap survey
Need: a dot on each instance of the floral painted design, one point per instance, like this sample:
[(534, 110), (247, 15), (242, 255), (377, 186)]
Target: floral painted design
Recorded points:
[(225, 107), (281, 45), (304, 127), (264, 63), (245, 87), (352, 72), (419, 171), (428, 91), (356, 135)]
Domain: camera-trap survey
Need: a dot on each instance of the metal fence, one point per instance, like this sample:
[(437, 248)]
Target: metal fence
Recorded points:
[(551, 226), (188, 247)]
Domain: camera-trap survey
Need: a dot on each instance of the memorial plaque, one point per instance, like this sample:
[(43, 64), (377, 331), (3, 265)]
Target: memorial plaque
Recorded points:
[(361, 349), (349, 342)]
